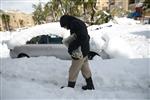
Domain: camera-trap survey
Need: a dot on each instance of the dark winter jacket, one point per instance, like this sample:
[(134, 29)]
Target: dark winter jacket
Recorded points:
[(79, 28)]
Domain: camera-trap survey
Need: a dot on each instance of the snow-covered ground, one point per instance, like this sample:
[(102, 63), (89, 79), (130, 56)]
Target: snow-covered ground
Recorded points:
[(42, 77), (122, 78)]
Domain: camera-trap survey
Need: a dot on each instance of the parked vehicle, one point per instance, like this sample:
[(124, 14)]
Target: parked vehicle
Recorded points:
[(45, 40), (43, 45)]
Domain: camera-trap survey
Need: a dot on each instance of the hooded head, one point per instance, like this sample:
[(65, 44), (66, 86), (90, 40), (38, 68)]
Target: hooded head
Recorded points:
[(65, 21)]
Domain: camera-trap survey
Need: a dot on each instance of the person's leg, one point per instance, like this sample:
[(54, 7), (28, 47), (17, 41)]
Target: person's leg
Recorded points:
[(74, 71), (86, 72), (85, 69)]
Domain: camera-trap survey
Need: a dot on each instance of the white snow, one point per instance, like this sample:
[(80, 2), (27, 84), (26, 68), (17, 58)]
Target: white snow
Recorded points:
[(4, 37), (122, 40), (42, 77), (21, 37), (122, 78)]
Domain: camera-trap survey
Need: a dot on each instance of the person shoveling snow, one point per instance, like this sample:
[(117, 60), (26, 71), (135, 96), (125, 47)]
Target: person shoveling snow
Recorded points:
[(81, 40)]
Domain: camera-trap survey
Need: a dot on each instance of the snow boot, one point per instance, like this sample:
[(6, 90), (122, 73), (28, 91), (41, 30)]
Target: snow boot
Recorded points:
[(89, 85), (70, 84)]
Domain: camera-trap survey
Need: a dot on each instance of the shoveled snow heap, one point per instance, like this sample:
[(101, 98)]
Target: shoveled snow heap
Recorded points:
[(126, 39)]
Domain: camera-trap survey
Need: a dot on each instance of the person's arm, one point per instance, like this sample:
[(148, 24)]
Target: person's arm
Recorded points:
[(81, 36)]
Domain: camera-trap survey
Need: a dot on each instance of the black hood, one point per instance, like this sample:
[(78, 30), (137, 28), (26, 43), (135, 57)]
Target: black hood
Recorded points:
[(65, 21)]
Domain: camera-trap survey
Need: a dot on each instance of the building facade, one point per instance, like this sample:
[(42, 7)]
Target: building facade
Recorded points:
[(17, 19)]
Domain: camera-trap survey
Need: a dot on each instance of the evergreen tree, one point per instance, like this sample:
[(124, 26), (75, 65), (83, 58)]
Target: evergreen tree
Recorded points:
[(38, 15)]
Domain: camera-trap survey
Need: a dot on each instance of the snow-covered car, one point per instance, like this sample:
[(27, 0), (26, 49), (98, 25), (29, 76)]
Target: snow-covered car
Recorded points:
[(27, 43), (43, 45)]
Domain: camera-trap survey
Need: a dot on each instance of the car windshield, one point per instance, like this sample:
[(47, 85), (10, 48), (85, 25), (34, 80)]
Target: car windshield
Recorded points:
[(45, 39)]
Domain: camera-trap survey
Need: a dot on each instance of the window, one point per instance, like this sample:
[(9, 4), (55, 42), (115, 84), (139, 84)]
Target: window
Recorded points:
[(33, 40), (46, 39), (54, 39)]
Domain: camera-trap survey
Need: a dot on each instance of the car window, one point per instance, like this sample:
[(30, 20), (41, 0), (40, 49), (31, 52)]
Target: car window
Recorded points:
[(46, 39), (33, 40), (54, 39)]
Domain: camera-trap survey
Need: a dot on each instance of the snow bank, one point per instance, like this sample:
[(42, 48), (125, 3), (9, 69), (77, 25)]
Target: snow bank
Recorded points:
[(4, 37), (4, 51), (126, 21), (113, 45), (42, 77), (118, 48), (126, 39)]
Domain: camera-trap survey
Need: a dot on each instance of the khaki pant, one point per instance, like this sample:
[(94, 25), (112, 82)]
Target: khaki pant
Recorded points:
[(76, 66)]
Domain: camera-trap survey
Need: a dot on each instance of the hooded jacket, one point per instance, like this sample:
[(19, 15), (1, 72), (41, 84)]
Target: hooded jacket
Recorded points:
[(78, 27)]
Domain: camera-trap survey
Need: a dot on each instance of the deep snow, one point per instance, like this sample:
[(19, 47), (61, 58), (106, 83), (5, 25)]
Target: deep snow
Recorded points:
[(42, 77), (121, 78)]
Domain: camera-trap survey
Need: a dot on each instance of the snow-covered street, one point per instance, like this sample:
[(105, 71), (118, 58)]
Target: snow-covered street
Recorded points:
[(126, 76), (42, 77)]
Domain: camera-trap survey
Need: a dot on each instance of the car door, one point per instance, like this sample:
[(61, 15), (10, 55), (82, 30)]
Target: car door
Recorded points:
[(56, 48), (47, 45), (36, 46), (36, 50)]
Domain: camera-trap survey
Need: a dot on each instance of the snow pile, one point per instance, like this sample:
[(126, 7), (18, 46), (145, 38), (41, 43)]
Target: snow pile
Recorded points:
[(126, 21), (42, 77), (4, 51), (114, 46), (122, 40), (4, 37)]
